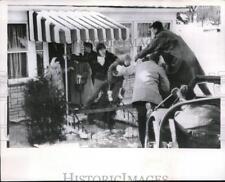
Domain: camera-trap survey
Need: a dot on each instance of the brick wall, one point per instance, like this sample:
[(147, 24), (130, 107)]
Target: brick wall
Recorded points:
[(16, 98), (16, 102)]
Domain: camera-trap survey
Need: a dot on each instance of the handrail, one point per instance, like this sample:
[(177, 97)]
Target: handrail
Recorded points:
[(100, 110)]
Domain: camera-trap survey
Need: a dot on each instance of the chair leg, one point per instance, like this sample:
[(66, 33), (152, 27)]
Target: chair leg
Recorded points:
[(156, 126), (146, 134), (173, 133)]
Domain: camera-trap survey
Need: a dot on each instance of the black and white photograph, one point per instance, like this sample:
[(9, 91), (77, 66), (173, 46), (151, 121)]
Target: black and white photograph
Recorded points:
[(82, 75)]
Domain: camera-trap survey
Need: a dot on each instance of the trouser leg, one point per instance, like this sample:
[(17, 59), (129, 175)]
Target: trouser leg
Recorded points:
[(98, 86), (109, 119), (141, 109)]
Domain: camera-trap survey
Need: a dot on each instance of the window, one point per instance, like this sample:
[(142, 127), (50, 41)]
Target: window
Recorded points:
[(124, 47), (144, 34), (17, 51), (129, 26), (166, 26), (40, 62), (144, 30)]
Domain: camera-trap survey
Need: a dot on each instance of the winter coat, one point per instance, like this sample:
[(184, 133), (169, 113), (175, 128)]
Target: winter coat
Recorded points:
[(81, 88), (183, 66), (90, 58), (150, 80), (101, 70)]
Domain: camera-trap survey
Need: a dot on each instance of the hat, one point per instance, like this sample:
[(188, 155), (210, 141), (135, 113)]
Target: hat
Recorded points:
[(157, 25)]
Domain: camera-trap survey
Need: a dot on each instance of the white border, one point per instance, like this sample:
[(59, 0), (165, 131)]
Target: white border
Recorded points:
[(51, 163)]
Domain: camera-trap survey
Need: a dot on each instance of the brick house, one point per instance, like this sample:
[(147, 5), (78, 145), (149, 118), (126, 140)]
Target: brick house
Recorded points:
[(28, 57)]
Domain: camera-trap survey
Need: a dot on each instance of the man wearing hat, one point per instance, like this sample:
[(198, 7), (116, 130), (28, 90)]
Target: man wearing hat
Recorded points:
[(182, 64)]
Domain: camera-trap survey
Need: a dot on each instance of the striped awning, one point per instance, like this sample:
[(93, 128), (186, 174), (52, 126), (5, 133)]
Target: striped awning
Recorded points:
[(73, 26)]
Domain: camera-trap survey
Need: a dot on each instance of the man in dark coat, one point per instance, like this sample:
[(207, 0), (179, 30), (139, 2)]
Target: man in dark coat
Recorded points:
[(100, 68), (182, 64), (89, 57), (99, 97)]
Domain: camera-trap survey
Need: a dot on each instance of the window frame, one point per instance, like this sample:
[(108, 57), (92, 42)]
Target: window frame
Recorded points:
[(136, 38), (26, 51), (143, 23), (31, 57), (132, 34), (40, 51)]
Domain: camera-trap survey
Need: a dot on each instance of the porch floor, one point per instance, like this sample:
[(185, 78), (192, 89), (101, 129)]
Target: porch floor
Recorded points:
[(100, 137)]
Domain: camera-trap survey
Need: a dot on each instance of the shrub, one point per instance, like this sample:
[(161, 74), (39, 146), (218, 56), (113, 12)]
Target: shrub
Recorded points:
[(46, 108)]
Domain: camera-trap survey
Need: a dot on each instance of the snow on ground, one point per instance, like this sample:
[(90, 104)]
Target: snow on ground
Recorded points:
[(18, 136), (100, 138), (92, 136)]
